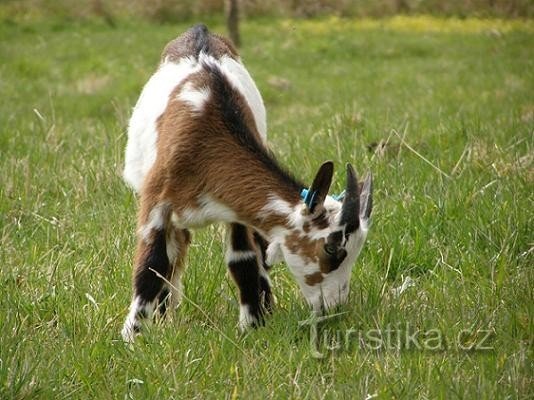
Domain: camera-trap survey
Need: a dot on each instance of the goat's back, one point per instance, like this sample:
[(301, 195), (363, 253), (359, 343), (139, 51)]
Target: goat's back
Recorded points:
[(179, 95)]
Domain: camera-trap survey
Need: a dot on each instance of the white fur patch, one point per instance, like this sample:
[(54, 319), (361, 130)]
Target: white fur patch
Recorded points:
[(215, 211), (194, 97), (142, 132), (246, 318), (155, 221), (237, 256), (128, 331), (278, 206), (208, 212), (274, 253), (241, 80), (332, 205)]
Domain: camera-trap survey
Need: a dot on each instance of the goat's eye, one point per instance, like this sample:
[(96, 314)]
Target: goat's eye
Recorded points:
[(330, 249)]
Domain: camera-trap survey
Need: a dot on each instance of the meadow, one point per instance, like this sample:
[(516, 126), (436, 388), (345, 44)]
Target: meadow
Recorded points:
[(442, 301)]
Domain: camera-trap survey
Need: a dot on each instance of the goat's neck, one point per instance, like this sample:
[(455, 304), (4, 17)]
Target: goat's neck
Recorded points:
[(266, 200), (277, 217)]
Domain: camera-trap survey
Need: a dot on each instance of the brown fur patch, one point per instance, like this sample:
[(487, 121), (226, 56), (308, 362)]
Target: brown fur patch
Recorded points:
[(313, 279), (192, 159), (303, 246), (183, 240), (312, 251), (320, 220)]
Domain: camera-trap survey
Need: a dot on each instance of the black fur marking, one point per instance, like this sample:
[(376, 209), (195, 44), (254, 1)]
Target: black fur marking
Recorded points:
[(239, 238), (262, 245), (337, 259), (335, 254), (369, 204), (245, 274), (254, 290), (232, 115), (147, 283), (266, 295), (335, 238), (163, 301), (350, 209), (320, 185)]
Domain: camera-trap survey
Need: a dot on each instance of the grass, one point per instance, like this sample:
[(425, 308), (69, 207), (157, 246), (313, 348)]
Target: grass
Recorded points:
[(453, 212)]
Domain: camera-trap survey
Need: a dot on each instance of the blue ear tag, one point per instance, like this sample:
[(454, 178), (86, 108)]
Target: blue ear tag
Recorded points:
[(340, 196), (308, 196)]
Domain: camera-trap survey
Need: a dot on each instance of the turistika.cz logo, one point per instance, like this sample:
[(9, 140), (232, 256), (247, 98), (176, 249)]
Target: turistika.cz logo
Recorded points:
[(324, 340)]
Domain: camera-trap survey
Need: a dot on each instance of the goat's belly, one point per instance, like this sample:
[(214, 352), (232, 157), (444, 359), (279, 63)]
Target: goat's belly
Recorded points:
[(206, 212)]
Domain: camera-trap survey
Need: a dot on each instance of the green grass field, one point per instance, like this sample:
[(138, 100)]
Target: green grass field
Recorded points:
[(453, 101)]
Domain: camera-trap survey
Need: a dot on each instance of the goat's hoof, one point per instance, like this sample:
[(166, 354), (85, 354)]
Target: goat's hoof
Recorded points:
[(248, 319), (130, 331)]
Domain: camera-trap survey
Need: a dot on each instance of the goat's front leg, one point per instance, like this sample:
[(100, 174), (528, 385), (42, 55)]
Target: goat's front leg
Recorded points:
[(245, 262), (266, 295)]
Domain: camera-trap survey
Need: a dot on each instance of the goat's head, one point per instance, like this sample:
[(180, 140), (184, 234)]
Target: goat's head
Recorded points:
[(326, 237)]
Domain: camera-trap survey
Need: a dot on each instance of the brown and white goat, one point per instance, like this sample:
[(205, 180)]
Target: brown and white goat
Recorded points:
[(197, 154)]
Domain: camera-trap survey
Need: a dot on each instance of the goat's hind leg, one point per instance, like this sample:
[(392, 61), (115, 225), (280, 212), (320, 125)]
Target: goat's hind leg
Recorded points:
[(245, 262), (178, 241), (152, 267)]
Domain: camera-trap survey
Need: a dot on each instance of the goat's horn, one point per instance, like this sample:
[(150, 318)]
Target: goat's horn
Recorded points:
[(350, 210)]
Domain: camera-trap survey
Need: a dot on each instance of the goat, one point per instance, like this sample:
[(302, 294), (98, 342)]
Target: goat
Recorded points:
[(197, 154)]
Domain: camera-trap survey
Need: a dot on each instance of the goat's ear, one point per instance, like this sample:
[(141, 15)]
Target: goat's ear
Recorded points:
[(366, 197), (350, 209), (321, 185)]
